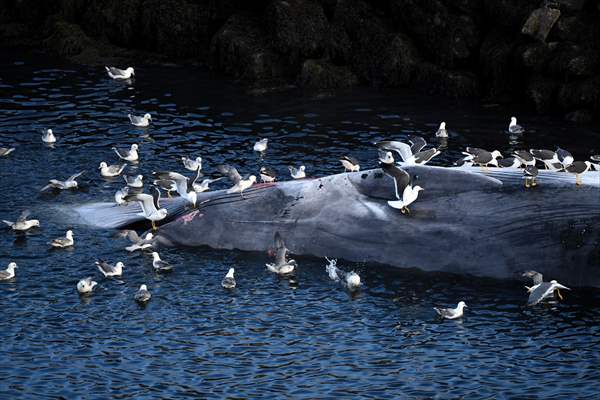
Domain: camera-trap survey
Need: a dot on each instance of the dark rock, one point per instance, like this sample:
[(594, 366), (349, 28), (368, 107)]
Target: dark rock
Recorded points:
[(437, 80), (580, 94), (573, 60), (297, 27), (241, 48), (540, 22), (399, 62), (116, 20), (535, 55), (542, 92), (14, 34), (322, 75), (580, 116), (508, 15), (497, 67), (577, 29), (576, 5), (67, 39)]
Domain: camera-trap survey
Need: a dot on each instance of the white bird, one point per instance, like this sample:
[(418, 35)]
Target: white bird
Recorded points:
[(181, 185), (297, 173), (442, 132), (135, 181), (110, 270), (143, 295), (9, 272), (137, 242), (401, 183), (482, 157), (160, 265), (229, 281), (70, 183), (86, 285), (120, 196), (116, 73), (350, 280), (451, 313), (281, 266), (48, 136), (564, 157), (140, 121), (267, 174), (410, 155), (204, 185), (385, 157), (63, 242), (109, 171), (150, 206), (541, 290), (22, 223), (239, 184), (515, 128), (130, 155), (4, 151), (191, 164), (261, 145), (350, 164)]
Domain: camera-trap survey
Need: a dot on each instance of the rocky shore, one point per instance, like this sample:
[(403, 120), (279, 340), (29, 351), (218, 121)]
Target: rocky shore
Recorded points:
[(545, 53)]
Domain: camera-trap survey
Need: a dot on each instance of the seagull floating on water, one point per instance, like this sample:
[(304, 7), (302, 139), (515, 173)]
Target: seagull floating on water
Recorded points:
[(9, 272), (63, 242), (229, 281), (130, 155), (22, 223), (191, 164), (86, 285), (451, 313), (137, 242), (350, 280), (515, 128), (267, 174), (402, 183), (70, 183), (140, 122), (116, 73), (4, 151), (261, 145), (281, 266), (150, 206), (578, 168), (109, 171), (541, 290), (297, 173), (120, 196), (48, 137), (350, 164), (109, 270), (160, 265), (143, 295), (442, 132), (239, 184), (181, 185), (134, 181)]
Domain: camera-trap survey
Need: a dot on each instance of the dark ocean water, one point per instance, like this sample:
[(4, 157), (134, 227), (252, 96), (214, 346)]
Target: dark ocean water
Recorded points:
[(268, 338)]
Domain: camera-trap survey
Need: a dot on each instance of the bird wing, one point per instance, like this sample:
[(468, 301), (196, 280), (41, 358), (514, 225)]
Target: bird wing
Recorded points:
[(77, 175), (181, 182), (23, 216), (132, 236), (281, 250), (426, 155), (350, 159), (400, 176), (417, 143), (230, 172), (401, 148), (536, 276), (156, 197), (115, 71), (145, 200), (121, 153), (539, 293)]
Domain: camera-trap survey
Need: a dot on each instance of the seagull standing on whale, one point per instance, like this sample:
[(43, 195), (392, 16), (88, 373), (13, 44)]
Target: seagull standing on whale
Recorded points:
[(578, 168), (548, 157), (482, 157), (410, 155), (181, 185), (130, 155), (267, 174), (401, 184), (350, 164), (150, 206)]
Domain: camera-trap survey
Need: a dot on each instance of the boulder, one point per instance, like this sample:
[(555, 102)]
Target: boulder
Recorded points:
[(574, 60), (535, 55), (540, 22), (507, 15), (67, 39), (580, 116), (542, 91), (437, 80), (400, 59), (497, 70), (580, 94), (115, 20), (573, 5), (323, 75)]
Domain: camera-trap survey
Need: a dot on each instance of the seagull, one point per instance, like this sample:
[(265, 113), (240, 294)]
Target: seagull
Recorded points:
[(22, 224), (128, 155), (564, 157), (417, 143), (150, 206), (239, 184), (9, 272), (548, 157), (109, 171), (138, 242), (442, 132), (350, 164), (4, 151), (229, 281), (63, 242), (297, 173), (140, 121), (192, 165), (481, 156), (86, 285), (406, 152), (181, 185), (267, 174), (261, 145), (135, 181), (142, 295), (350, 280), (116, 73), (385, 157), (529, 174), (48, 136), (525, 157), (401, 183), (165, 184), (281, 266), (596, 159), (515, 128), (451, 313), (509, 162), (70, 183), (110, 270), (120, 196), (541, 290), (204, 185), (160, 265), (578, 168)]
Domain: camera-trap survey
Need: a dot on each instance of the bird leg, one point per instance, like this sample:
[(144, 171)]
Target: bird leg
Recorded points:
[(577, 179), (533, 182), (168, 193), (242, 194), (559, 295), (405, 210), (527, 185), (154, 227)]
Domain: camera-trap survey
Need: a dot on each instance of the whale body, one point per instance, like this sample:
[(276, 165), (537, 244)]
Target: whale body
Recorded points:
[(473, 221)]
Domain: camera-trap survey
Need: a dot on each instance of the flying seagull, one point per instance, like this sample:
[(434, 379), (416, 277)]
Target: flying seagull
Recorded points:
[(281, 266), (402, 184), (70, 183), (192, 164), (150, 206), (541, 290), (239, 184), (181, 185)]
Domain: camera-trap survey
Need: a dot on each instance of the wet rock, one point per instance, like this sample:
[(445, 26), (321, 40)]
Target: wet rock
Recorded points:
[(508, 15), (297, 27), (115, 20), (437, 80), (542, 91), (576, 5), (497, 69), (580, 116), (540, 22), (399, 62), (535, 55), (574, 60), (579, 29), (15, 34), (241, 48), (67, 39), (580, 94), (323, 75)]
